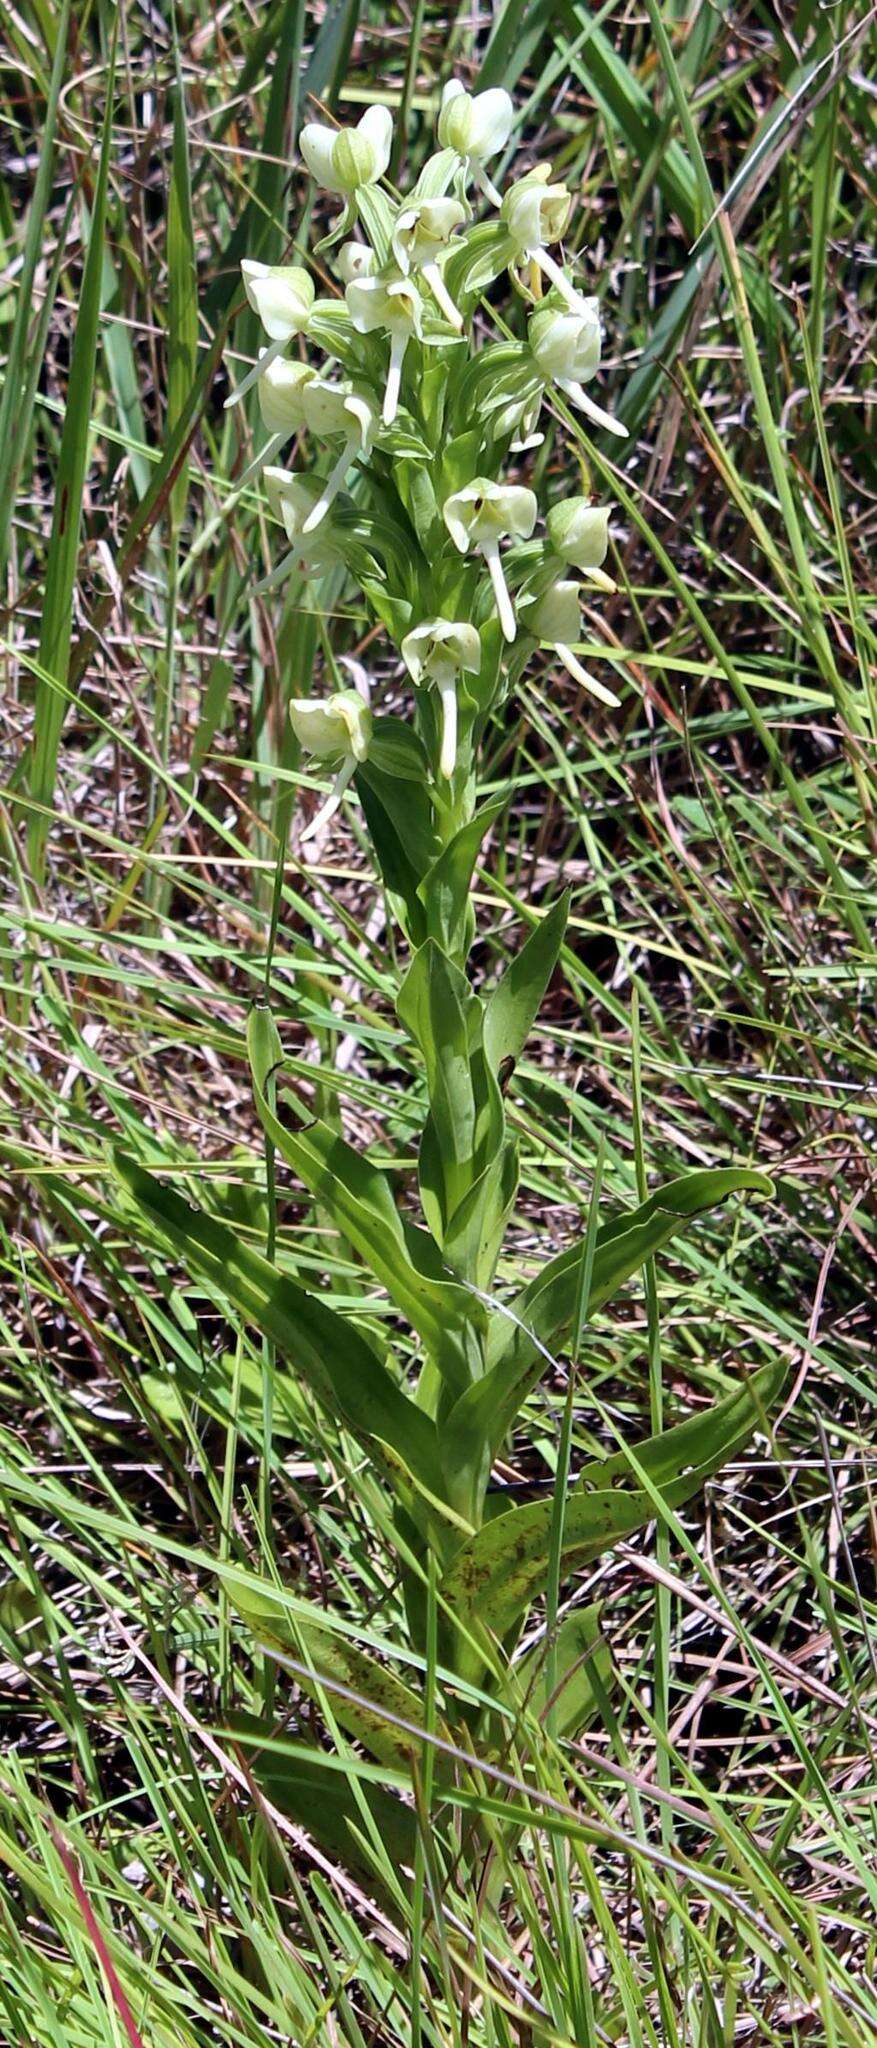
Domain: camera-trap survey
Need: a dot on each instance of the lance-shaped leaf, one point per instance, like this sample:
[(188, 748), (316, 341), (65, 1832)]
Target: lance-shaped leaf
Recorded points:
[(330, 1355), (312, 1791), (581, 1657), (359, 1199), (501, 1569), (466, 1124), (511, 1008), (538, 1319), (444, 891), (367, 1698)]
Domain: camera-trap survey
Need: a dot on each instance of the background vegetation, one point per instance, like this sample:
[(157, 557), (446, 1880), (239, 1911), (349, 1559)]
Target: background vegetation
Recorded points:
[(700, 1867)]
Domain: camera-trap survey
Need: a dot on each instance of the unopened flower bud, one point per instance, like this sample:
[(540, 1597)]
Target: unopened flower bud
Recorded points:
[(342, 159), (476, 125), (579, 533)]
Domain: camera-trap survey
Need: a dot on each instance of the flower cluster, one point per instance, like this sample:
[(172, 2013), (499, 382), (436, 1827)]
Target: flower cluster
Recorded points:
[(418, 416)]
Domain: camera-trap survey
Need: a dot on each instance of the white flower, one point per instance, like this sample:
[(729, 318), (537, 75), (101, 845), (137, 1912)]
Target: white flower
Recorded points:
[(281, 396), (567, 349), (535, 213), (333, 409), (355, 259), (439, 652), (391, 307), (336, 728), (579, 534), (567, 345), (555, 619), (282, 296), (341, 159), (477, 126), (292, 500), (480, 516), (422, 235)]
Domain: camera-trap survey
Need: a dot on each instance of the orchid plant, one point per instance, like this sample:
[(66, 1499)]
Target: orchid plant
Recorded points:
[(410, 432)]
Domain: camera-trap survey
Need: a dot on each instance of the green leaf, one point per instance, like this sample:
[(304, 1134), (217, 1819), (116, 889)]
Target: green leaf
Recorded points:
[(438, 1007), (57, 611), (444, 891), (496, 1575), (581, 1654), (316, 1793), (512, 1007), (360, 1201), (382, 1698), (330, 1355), (182, 292), (539, 1317), (16, 403)]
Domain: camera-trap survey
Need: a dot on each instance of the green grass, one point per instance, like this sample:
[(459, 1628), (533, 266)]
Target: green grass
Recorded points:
[(699, 1869)]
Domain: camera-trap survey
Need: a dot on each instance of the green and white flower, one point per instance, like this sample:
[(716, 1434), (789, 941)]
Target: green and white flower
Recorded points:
[(282, 296), (555, 619), (479, 517), (292, 500), (421, 237), (536, 213), (566, 346), (388, 306), (355, 259), (281, 396), (477, 126), (439, 652), (334, 729), (331, 410), (579, 535), (343, 159)]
